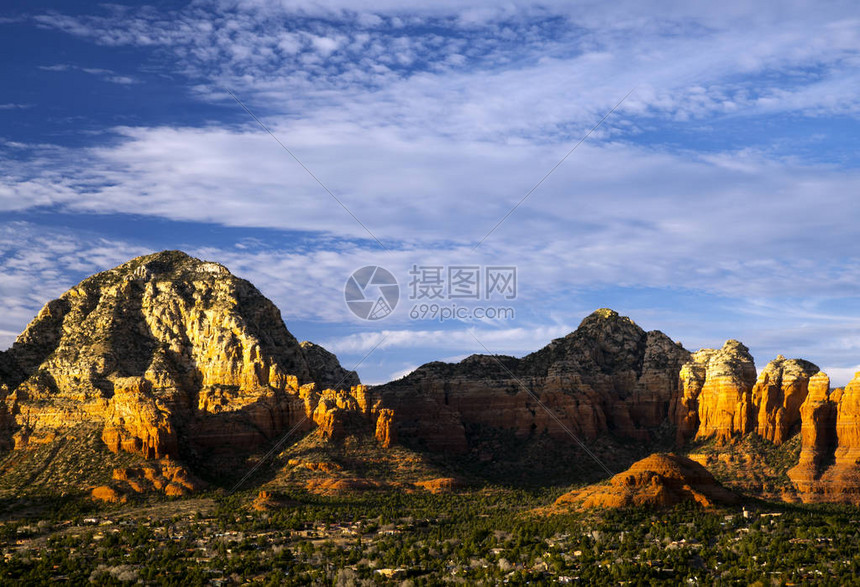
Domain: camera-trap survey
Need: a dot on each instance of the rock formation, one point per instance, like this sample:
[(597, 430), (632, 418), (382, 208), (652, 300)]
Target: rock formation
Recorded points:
[(10, 377), (607, 376), (176, 357), (332, 486), (135, 423), (847, 455), (660, 480), (107, 494), (829, 464), (715, 398), (175, 360), (266, 501), (168, 477), (818, 430), (163, 476), (337, 413), (386, 432), (781, 388), (10, 373)]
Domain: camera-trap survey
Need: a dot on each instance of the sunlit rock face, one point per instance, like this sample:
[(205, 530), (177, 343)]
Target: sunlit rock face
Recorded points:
[(171, 354), (829, 464), (660, 480), (818, 415), (715, 398), (173, 359), (779, 392)]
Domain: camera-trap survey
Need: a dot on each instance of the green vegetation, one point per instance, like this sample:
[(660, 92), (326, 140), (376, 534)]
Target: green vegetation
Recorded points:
[(477, 537), (751, 463)]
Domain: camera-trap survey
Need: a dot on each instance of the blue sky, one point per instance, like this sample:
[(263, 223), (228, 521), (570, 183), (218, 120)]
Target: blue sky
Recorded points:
[(719, 200)]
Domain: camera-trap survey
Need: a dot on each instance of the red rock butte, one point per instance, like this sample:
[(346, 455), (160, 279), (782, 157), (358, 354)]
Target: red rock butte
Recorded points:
[(660, 480)]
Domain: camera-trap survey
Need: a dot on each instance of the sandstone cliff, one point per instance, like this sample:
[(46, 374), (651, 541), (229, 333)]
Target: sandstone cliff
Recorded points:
[(174, 359), (780, 390), (660, 480), (607, 376), (715, 398), (177, 358), (829, 464), (818, 430)]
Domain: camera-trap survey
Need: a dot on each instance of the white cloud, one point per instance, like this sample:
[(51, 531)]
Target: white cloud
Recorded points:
[(325, 45), (558, 63), (121, 79), (613, 213), (38, 264), (104, 74), (500, 341), (430, 121)]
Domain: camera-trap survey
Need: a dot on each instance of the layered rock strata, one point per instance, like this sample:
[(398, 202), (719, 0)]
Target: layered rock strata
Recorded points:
[(176, 357), (609, 376), (779, 392), (829, 464), (715, 396)]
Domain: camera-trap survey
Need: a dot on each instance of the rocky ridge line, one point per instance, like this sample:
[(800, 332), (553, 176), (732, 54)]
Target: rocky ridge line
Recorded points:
[(607, 376)]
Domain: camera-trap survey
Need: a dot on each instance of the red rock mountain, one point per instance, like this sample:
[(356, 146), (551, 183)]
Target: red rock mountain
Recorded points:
[(173, 357), (609, 376), (721, 397), (779, 392)]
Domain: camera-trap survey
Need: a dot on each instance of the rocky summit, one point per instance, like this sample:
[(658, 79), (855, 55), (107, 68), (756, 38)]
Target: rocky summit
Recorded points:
[(611, 382), (171, 357)]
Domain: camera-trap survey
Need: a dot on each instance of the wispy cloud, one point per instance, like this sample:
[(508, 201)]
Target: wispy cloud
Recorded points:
[(107, 75), (512, 340), (705, 218), (554, 62), (308, 286)]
